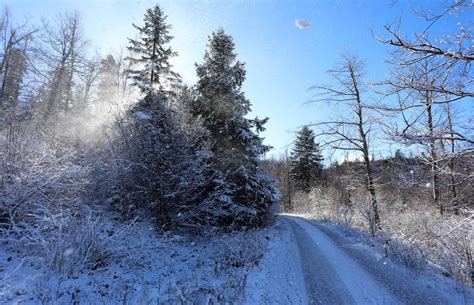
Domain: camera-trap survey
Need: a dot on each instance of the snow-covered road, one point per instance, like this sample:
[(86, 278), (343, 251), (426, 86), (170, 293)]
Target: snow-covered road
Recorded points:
[(331, 277), (313, 263)]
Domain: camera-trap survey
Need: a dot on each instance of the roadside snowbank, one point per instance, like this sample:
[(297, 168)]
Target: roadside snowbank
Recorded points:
[(278, 279)]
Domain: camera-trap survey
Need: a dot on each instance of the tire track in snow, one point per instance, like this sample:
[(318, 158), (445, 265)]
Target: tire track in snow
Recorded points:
[(331, 276), (407, 286), (278, 277), (323, 285)]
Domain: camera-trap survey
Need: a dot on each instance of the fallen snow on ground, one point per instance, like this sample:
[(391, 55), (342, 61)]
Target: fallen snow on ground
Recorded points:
[(409, 286), (141, 267), (290, 262), (312, 262), (278, 278)]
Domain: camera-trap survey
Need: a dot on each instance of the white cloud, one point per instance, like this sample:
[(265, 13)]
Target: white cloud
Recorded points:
[(302, 24)]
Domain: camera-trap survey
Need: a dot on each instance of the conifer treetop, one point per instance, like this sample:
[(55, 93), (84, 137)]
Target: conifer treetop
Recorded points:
[(306, 160), (221, 75), (151, 52)]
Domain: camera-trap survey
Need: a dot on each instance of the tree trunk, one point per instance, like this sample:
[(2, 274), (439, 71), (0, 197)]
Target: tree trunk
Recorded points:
[(433, 156), (288, 178), (53, 93), (452, 161), (152, 73), (375, 225), (4, 81)]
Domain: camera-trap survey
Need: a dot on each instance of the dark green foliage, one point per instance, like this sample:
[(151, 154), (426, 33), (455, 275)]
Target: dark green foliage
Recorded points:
[(159, 170), (306, 160), (152, 67), (200, 167), (149, 144), (243, 194)]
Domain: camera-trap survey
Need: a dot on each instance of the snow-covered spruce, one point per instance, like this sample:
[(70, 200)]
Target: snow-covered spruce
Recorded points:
[(306, 160), (151, 67), (243, 194)]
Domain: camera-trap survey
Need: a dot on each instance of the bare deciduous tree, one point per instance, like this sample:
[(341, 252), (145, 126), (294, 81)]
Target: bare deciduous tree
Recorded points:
[(454, 51), (88, 74), (352, 129), (425, 120), (61, 49), (14, 40)]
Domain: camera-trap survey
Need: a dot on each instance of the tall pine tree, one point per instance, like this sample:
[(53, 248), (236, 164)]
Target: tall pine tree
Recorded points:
[(306, 160), (108, 87), (154, 149), (152, 66), (243, 193)]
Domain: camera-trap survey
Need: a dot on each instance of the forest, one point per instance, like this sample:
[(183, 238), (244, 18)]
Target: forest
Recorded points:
[(106, 159)]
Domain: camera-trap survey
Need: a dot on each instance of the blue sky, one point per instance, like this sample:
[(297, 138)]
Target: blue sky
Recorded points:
[(282, 60)]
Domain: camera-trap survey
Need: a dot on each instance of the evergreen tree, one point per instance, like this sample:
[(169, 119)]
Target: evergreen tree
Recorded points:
[(155, 151), (108, 87), (242, 193), (306, 160), (152, 138), (152, 53)]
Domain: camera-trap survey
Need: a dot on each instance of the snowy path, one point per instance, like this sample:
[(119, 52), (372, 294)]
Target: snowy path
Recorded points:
[(313, 263), (331, 277)]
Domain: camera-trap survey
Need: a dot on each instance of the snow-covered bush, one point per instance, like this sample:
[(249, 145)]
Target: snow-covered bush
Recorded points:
[(43, 181), (155, 167), (46, 214), (413, 233), (410, 254), (74, 247), (241, 249)]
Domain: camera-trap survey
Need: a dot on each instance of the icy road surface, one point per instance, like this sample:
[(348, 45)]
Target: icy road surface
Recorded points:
[(312, 263)]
